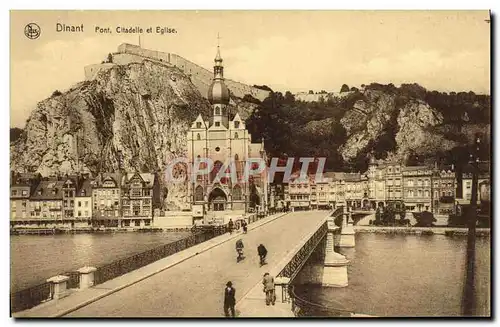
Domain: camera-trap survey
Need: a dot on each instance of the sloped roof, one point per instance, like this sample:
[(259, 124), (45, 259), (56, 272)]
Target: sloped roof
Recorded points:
[(116, 177), (48, 190), (85, 185), (148, 178)]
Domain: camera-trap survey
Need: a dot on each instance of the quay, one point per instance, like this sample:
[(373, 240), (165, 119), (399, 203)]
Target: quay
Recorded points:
[(170, 286)]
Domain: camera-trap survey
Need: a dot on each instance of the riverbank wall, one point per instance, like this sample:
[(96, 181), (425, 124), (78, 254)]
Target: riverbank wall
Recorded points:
[(448, 231)]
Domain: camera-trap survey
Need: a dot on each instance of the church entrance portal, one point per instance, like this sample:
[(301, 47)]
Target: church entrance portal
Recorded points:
[(217, 200)]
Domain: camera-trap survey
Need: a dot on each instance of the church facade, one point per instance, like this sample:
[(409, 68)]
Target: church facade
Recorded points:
[(223, 138)]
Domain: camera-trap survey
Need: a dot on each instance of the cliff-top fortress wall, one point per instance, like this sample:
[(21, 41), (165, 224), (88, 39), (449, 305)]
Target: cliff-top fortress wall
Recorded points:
[(201, 77)]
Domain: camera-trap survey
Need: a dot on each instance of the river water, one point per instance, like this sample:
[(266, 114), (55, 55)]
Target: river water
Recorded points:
[(35, 258), (389, 275), (407, 275)]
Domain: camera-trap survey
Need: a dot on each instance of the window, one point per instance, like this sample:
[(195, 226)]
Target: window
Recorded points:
[(79, 203), (427, 194), (82, 193), (419, 182), (236, 135), (14, 192), (217, 149), (449, 193), (198, 137), (236, 157), (198, 193), (198, 124), (25, 192), (217, 124), (86, 203), (79, 213), (396, 169), (426, 182), (217, 110), (419, 193), (410, 182), (236, 124), (86, 213), (135, 192), (397, 182), (236, 192), (468, 184)]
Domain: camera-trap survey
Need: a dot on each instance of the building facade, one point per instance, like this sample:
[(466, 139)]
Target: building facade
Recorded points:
[(418, 188), (393, 182), (224, 140), (139, 198), (444, 190), (83, 203), (46, 203), (21, 188), (106, 196)]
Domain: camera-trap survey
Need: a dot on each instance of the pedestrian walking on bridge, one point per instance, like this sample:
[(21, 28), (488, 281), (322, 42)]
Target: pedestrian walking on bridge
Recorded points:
[(229, 300), (268, 282)]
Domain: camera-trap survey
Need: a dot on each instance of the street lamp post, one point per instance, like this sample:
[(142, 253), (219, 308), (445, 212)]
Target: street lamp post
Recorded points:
[(469, 291)]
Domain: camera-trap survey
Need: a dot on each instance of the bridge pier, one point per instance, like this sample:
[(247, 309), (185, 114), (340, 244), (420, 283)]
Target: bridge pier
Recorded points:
[(335, 264), (347, 239)]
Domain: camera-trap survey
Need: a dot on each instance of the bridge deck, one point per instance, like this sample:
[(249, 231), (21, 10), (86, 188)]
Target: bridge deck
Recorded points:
[(194, 287)]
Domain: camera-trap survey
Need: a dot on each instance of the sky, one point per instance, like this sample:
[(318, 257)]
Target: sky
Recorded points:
[(286, 50)]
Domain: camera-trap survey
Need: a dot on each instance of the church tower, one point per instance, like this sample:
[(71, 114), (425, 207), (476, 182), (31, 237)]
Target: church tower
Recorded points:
[(223, 141), (218, 95)]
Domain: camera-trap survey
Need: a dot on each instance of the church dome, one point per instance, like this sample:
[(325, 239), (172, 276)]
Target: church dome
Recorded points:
[(218, 93)]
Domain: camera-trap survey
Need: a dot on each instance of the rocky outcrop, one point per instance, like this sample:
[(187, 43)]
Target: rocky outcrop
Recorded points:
[(137, 114), (379, 114)]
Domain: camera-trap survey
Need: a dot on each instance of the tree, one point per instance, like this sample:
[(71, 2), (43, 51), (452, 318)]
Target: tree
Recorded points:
[(15, 134), (424, 219), (263, 87), (56, 93), (110, 57), (289, 97), (250, 99), (344, 88), (311, 92)]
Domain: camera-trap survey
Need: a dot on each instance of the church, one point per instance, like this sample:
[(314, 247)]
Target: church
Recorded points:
[(221, 138)]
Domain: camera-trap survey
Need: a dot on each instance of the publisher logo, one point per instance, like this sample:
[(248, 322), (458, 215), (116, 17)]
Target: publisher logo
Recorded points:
[(32, 31)]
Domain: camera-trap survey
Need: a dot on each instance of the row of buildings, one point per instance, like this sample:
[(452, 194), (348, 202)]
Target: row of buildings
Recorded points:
[(130, 199), (417, 188), (110, 200)]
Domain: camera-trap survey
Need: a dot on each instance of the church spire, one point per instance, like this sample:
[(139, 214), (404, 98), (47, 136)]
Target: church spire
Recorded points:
[(218, 68)]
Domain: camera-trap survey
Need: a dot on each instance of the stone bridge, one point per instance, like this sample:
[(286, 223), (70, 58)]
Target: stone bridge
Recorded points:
[(301, 247)]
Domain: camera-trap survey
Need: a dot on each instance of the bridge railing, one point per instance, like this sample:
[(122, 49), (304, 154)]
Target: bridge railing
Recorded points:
[(293, 267), (126, 265), (30, 297), (37, 294), (304, 308)]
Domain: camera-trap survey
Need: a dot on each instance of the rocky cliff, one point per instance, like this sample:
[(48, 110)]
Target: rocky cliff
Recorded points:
[(369, 119), (138, 112)]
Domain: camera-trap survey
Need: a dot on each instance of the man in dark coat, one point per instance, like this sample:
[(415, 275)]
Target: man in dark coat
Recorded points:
[(230, 226), (229, 300), (262, 251)]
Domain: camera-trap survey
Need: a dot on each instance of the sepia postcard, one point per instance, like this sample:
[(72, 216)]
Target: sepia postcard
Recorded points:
[(241, 164)]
